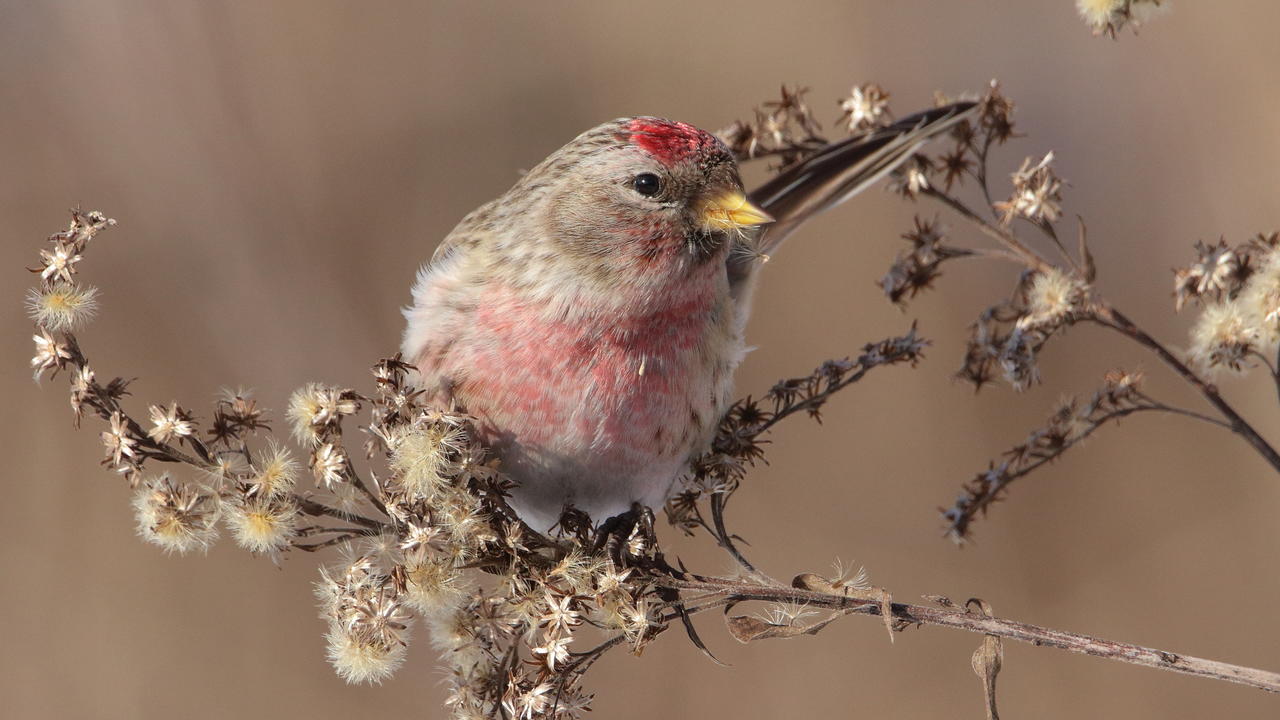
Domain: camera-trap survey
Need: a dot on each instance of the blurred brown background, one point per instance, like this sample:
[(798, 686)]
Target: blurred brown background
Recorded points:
[(280, 169)]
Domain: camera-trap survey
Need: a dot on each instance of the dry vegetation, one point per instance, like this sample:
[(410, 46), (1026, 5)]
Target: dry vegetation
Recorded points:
[(413, 509)]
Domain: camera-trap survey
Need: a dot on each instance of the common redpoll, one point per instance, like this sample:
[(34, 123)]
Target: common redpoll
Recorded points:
[(592, 317)]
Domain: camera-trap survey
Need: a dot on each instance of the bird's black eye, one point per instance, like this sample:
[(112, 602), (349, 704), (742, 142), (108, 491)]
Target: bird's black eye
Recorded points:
[(647, 184)]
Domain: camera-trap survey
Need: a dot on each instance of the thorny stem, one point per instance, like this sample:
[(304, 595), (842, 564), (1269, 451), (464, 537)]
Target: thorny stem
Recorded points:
[(1114, 319), (974, 622)]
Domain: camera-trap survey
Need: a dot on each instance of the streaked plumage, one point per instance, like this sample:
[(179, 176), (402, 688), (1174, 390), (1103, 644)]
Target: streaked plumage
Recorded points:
[(594, 330)]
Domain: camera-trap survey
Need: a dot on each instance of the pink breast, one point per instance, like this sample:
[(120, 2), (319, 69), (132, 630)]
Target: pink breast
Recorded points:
[(604, 393)]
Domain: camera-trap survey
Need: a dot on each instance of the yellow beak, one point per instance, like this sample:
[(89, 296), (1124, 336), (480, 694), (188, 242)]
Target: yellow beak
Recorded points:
[(732, 211)]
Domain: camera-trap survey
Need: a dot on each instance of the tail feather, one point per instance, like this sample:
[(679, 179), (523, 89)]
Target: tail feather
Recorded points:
[(835, 174)]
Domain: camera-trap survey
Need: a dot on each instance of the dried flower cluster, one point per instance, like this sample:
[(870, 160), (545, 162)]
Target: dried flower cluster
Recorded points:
[(1037, 193), (915, 269), (786, 128), (1007, 337), (1238, 289), (427, 539), (418, 514)]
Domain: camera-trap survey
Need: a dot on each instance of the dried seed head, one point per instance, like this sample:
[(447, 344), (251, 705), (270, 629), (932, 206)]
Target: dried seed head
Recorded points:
[(1053, 297), (1018, 358), (361, 659), (227, 465), (576, 571), (1261, 296), (455, 635), (424, 453), (995, 114), (914, 270), (1037, 193), (173, 422), (177, 518), (315, 408), (62, 306), (1107, 17), (1102, 15), (60, 263), (1218, 272), (346, 497), (784, 128), (1224, 336), (120, 444), (866, 108), (368, 625), (432, 582), (912, 177), (82, 385), (50, 353), (275, 474), (329, 465), (262, 524)]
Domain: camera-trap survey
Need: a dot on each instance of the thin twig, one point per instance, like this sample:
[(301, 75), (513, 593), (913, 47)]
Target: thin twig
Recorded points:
[(718, 501), (1000, 627), (1109, 317), (315, 509), (1157, 405), (813, 401), (364, 488), (976, 500), (314, 547), (1003, 236)]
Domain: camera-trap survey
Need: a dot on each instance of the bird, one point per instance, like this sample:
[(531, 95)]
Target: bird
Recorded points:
[(591, 318)]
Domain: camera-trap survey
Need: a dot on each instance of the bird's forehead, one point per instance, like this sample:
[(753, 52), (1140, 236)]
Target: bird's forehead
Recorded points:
[(670, 141)]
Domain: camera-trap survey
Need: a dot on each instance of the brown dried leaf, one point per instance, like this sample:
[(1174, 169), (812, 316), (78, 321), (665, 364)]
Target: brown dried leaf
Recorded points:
[(816, 583), (987, 660), (1086, 257), (745, 628)]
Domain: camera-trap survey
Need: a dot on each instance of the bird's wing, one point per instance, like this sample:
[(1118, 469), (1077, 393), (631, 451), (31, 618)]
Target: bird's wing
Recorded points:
[(834, 174)]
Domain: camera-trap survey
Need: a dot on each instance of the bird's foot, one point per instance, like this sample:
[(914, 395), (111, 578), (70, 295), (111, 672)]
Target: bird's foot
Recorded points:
[(629, 538)]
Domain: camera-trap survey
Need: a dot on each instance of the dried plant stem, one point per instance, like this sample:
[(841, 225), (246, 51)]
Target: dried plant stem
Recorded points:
[(1109, 317), (364, 488), (1028, 256), (979, 501), (959, 619), (315, 509), (725, 540), (316, 546), (1275, 373), (106, 405)]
